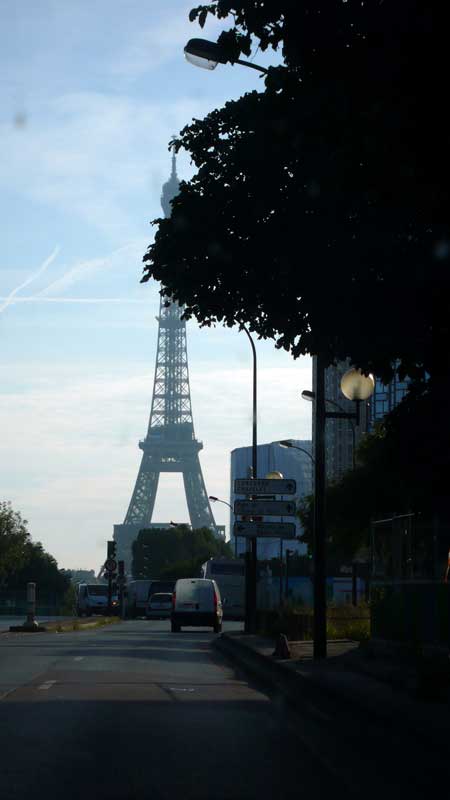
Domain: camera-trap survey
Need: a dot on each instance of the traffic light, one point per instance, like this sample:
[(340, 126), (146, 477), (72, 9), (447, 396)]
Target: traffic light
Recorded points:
[(112, 548), (121, 569)]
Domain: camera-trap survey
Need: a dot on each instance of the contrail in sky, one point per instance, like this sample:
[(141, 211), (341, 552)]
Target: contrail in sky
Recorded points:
[(32, 277)]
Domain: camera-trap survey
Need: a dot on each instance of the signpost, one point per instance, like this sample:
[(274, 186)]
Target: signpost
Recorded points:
[(265, 530), (257, 486), (264, 508)]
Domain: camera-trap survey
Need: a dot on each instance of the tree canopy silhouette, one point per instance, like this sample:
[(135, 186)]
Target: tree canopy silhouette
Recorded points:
[(316, 213)]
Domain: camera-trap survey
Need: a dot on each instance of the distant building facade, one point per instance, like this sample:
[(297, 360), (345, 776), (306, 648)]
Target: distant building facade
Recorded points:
[(385, 397), (342, 436), (273, 457)]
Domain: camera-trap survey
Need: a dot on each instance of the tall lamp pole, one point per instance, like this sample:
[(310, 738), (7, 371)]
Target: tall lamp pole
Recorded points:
[(252, 554), (218, 500), (355, 386), (206, 54), (319, 555)]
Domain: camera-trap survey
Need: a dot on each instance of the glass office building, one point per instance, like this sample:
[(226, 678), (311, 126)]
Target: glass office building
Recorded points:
[(385, 397)]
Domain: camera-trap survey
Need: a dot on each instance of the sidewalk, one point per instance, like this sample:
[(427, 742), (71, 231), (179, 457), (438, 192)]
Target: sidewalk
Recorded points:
[(369, 679)]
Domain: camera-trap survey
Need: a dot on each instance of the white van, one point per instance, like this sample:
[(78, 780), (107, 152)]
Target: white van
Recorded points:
[(137, 597), (92, 598), (196, 601)]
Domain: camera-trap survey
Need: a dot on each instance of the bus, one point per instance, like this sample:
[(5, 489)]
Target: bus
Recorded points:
[(229, 574)]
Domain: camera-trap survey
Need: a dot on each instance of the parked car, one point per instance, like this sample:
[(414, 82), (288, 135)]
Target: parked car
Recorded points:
[(196, 601), (159, 606)]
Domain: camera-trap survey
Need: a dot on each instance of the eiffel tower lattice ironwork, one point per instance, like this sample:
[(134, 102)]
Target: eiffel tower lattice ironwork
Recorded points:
[(170, 444)]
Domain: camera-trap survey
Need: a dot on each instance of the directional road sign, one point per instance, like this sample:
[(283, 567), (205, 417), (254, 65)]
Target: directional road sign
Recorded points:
[(267, 508), (268, 530), (264, 486)]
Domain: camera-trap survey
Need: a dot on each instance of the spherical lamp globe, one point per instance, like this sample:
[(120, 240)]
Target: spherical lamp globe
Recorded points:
[(357, 386)]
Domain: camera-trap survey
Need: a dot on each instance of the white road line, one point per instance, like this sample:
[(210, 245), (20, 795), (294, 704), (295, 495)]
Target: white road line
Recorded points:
[(47, 685), (78, 658)]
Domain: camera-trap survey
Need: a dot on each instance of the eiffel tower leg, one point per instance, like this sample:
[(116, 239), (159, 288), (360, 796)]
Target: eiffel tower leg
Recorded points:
[(197, 500), (139, 512), (142, 503)]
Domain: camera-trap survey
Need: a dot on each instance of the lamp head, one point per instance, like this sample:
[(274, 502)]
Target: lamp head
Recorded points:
[(205, 54), (307, 395), (356, 386)]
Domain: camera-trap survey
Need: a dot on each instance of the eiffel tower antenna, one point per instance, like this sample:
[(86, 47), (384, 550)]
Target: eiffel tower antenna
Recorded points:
[(170, 444)]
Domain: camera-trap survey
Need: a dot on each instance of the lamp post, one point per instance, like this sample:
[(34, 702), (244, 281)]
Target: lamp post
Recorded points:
[(306, 395), (252, 553), (289, 553), (206, 54), (276, 475), (355, 386), (218, 500), (288, 443)]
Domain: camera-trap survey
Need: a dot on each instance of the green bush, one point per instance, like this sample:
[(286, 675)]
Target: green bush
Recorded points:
[(296, 622)]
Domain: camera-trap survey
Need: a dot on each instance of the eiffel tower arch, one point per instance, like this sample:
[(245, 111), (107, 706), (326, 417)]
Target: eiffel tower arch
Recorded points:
[(170, 444)]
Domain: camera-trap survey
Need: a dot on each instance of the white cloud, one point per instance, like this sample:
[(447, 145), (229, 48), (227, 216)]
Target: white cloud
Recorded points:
[(10, 298), (85, 269), (42, 299)]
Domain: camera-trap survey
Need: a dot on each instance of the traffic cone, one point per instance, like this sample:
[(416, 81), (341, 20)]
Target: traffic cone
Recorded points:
[(282, 647)]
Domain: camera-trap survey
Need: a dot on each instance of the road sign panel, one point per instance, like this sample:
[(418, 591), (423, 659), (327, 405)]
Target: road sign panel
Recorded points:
[(267, 508), (110, 564), (265, 486), (268, 530)]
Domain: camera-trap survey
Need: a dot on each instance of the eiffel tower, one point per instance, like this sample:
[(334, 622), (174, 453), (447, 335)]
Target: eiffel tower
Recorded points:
[(170, 444)]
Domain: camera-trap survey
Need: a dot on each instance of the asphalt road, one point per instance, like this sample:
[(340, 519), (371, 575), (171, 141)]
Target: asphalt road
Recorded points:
[(133, 711)]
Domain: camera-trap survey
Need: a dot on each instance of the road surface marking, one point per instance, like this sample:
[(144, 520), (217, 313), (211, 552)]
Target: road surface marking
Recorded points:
[(46, 685), (179, 689), (78, 658)]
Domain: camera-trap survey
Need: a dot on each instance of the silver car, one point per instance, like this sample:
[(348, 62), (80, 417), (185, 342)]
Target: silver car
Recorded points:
[(159, 606)]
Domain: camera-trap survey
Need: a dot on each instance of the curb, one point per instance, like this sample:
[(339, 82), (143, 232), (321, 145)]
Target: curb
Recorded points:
[(383, 705), (67, 626)]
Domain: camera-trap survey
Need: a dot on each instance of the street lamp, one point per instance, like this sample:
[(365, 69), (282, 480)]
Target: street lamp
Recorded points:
[(306, 395), (206, 54), (357, 387), (276, 475), (252, 554), (288, 443), (218, 500)]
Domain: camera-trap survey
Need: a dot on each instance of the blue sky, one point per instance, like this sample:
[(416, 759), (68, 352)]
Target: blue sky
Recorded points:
[(91, 93)]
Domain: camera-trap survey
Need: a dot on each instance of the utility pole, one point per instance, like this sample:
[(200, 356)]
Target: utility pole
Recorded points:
[(320, 598)]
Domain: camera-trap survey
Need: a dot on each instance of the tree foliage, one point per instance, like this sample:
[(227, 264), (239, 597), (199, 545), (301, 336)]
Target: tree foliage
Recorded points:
[(14, 536), (167, 552), (22, 560), (315, 215)]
